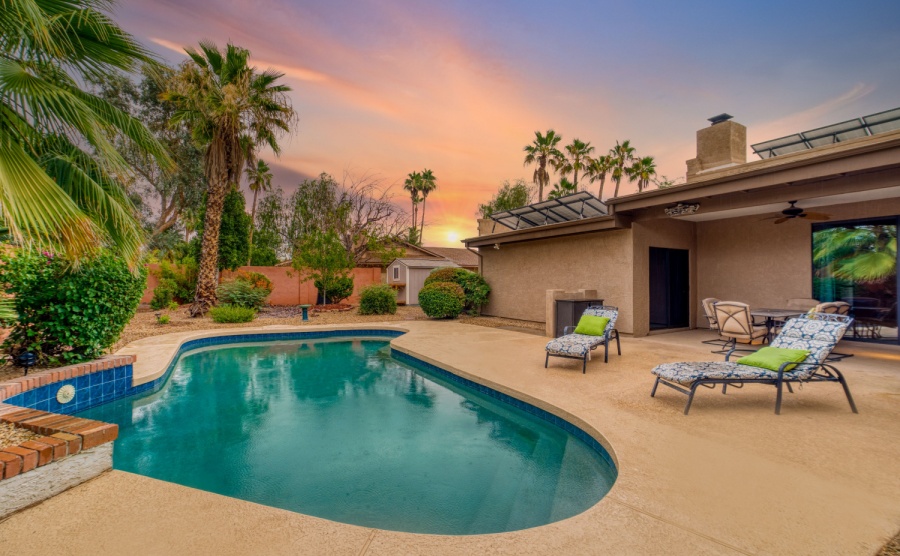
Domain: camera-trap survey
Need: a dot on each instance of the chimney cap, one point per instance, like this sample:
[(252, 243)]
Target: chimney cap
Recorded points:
[(723, 117)]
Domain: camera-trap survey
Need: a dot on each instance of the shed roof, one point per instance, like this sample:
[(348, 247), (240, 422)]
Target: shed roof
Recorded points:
[(425, 263), (459, 255)]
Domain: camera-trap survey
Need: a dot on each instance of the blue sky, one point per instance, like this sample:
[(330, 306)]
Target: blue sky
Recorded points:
[(460, 86)]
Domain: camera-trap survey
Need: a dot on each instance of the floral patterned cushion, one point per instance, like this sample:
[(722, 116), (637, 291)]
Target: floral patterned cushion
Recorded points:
[(817, 332), (574, 345), (604, 311), (688, 373)]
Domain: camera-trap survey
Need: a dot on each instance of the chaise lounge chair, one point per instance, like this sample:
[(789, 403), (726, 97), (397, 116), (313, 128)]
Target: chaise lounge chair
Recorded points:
[(579, 346), (817, 333)]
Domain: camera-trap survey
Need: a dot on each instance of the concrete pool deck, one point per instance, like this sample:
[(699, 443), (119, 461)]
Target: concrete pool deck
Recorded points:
[(730, 478)]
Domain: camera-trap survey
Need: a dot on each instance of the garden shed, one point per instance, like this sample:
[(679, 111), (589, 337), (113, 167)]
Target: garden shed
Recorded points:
[(407, 276)]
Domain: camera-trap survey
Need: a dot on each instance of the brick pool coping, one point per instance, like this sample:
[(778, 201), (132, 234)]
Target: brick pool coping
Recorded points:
[(62, 436)]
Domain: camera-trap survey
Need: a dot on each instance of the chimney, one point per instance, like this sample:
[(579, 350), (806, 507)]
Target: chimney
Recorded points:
[(724, 143)]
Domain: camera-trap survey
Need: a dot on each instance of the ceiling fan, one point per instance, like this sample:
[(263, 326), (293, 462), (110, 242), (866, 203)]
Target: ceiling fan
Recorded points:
[(797, 212)]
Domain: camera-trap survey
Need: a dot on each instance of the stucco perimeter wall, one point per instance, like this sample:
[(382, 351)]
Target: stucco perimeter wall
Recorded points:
[(521, 273), (752, 260), (660, 232)]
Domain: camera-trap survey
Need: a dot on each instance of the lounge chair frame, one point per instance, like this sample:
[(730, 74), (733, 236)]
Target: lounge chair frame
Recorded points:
[(822, 372), (608, 336)]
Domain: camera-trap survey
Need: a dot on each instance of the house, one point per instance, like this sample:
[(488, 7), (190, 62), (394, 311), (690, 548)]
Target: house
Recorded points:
[(733, 231), (407, 276)]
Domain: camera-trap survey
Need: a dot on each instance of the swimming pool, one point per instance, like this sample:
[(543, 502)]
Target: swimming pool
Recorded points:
[(342, 429)]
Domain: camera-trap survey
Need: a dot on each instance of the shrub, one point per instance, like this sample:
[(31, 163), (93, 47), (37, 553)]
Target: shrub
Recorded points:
[(241, 294), (232, 313), (68, 314), (442, 300), (255, 279), (473, 284), (379, 299), (163, 294), (184, 277), (163, 319), (339, 289), (173, 306)]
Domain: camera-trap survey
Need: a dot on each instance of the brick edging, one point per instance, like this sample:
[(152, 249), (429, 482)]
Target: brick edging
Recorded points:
[(36, 379), (63, 436)]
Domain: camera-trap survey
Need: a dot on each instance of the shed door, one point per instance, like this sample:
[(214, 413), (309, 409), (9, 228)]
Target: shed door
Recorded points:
[(416, 282)]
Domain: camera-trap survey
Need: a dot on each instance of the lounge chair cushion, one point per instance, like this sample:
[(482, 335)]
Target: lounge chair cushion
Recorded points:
[(772, 358), (688, 373), (574, 345), (592, 326)]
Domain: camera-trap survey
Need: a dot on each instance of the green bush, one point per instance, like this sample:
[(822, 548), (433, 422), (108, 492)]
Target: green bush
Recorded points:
[(163, 294), (173, 306), (163, 319), (242, 294), (473, 284), (183, 276), (441, 300), (379, 299), (339, 289), (67, 313), (232, 313)]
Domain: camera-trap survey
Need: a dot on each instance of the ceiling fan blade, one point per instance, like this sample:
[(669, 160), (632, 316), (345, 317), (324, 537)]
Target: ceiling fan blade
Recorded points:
[(817, 216), (771, 217), (782, 220)]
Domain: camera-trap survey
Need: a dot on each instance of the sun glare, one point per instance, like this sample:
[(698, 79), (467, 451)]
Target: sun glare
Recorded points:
[(453, 236)]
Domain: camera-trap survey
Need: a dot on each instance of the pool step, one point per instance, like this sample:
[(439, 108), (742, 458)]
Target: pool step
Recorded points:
[(530, 507)]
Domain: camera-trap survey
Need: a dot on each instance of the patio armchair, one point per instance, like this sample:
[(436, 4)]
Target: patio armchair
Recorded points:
[(736, 325), (835, 308), (816, 333), (579, 346), (709, 312)]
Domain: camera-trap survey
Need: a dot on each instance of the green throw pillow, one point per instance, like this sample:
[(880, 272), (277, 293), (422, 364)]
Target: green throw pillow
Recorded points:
[(772, 358), (591, 325)]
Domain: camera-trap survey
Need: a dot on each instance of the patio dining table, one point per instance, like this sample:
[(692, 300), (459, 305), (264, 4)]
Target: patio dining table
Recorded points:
[(772, 316)]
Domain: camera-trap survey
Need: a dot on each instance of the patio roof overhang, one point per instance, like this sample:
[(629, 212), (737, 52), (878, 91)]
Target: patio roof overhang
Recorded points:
[(587, 225)]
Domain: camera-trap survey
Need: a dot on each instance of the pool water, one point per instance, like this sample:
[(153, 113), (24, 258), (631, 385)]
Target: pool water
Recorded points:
[(341, 430)]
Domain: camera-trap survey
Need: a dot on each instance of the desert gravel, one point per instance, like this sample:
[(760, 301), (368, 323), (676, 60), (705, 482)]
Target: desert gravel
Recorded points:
[(11, 435)]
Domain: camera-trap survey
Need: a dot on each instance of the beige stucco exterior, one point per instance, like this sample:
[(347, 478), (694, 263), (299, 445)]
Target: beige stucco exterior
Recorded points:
[(521, 273)]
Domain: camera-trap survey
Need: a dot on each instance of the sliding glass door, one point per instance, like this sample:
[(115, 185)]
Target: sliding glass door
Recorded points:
[(856, 261)]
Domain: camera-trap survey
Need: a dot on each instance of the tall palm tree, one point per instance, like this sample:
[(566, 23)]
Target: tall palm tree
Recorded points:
[(578, 158), (232, 110), (641, 171), (426, 186), (543, 151), (622, 155), (59, 166), (598, 170), (259, 178), (413, 184), (561, 189)]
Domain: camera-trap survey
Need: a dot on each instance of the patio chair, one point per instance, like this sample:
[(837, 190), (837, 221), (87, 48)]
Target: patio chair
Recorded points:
[(835, 308), (579, 346), (709, 312), (736, 325), (817, 333)]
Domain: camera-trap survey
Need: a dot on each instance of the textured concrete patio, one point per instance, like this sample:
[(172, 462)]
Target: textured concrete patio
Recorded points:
[(731, 478)]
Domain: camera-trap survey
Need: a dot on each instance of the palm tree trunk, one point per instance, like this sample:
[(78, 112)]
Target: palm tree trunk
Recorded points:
[(602, 182), (541, 180), (618, 181), (207, 275), (575, 180), (252, 225), (422, 227)]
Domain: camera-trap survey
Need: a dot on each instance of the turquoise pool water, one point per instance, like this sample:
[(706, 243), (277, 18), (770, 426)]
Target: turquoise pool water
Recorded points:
[(341, 430)]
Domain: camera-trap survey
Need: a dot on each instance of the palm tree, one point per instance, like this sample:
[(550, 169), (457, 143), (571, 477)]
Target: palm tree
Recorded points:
[(863, 253), (641, 171), (622, 155), (561, 189), (413, 184), (259, 178), (426, 186), (232, 110), (598, 170), (59, 166), (579, 158), (543, 151)]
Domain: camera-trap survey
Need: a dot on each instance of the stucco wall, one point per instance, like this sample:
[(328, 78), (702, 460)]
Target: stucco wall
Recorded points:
[(667, 233), (521, 273), (752, 260)]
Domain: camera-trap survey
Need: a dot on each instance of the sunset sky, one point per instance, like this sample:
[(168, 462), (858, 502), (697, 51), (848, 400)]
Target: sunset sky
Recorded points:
[(459, 86)]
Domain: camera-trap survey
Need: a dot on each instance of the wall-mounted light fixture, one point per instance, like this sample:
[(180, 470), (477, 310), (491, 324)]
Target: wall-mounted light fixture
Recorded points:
[(496, 246)]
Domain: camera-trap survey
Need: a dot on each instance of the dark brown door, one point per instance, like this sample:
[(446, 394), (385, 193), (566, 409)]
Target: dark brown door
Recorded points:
[(670, 292)]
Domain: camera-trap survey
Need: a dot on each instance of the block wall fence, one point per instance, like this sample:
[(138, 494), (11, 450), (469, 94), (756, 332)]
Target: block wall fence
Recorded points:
[(288, 286)]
